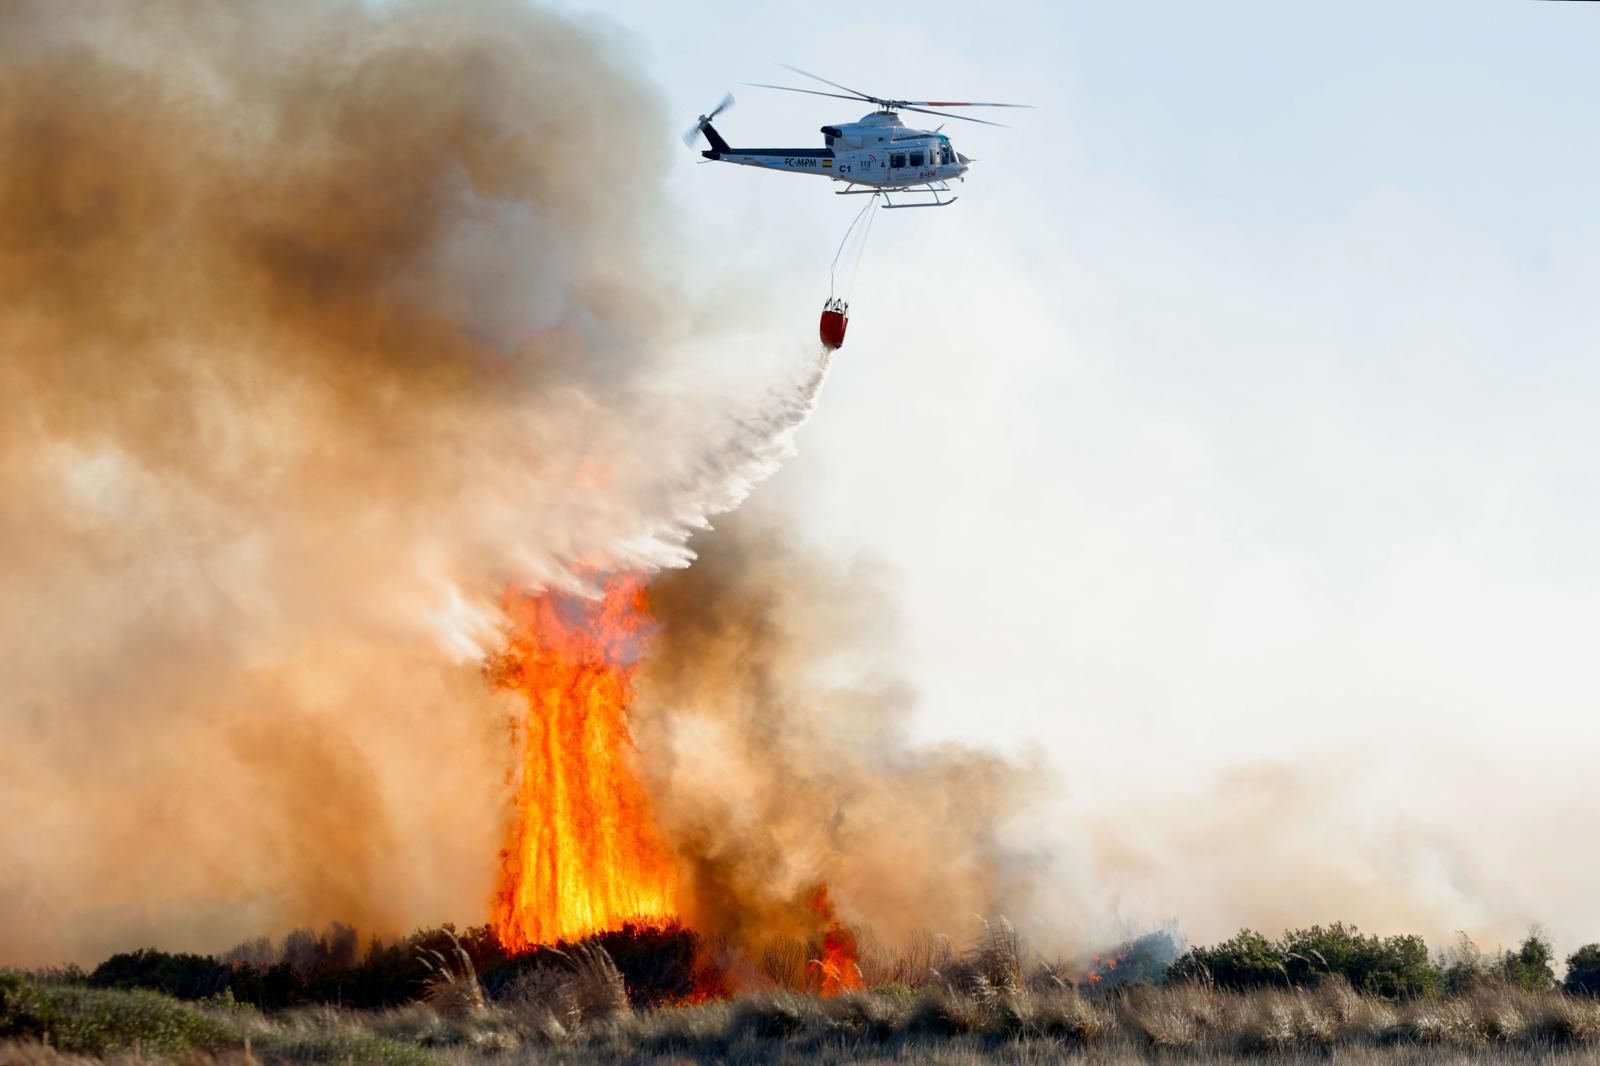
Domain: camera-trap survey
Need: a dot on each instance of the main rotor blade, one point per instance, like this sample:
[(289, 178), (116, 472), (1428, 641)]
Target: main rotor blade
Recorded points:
[(813, 92), (825, 81), (955, 103), (946, 114)]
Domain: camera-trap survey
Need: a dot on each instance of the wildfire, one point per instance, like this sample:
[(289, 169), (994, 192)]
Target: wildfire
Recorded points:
[(1103, 966), (583, 854), (837, 965)]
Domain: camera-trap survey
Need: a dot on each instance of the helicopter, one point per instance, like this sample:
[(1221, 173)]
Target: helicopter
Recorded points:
[(876, 155)]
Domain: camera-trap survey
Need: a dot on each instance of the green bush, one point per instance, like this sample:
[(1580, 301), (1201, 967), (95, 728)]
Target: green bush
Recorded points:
[(1529, 966), (183, 976), (1395, 967), (1583, 972), (99, 1021), (1463, 967), (1248, 960)]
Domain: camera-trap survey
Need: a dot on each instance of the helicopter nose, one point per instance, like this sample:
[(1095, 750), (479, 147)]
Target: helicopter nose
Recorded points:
[(963, 160)]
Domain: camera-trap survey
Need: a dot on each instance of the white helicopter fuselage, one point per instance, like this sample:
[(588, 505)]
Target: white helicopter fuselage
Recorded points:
[(877, 151)]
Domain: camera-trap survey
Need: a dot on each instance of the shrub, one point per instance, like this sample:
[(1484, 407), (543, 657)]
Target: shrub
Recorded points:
[(1583, 972), (1529, 966), (1248, 960), (100, 1021), (183, 976), (1463, 968), (1395, 967), (658, 965)]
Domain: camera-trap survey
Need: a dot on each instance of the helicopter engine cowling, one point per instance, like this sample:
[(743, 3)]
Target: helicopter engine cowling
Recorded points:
[(837, 137)]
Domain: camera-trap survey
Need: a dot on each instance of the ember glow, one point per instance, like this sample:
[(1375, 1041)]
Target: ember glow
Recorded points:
[(583, 855)]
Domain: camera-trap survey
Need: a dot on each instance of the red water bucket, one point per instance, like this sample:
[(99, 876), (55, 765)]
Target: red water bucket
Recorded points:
[(834, 321)]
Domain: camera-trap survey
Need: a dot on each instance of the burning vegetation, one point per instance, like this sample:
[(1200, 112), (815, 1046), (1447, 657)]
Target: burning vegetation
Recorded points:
[(681, 765), (584, 854), (837, 964)]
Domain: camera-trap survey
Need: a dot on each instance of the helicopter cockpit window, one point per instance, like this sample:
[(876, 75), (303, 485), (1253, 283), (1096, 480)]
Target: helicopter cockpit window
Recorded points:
[(897, 160)]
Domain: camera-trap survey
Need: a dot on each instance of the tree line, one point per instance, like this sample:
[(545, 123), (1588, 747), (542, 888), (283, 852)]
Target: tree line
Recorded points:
[(660, 966)]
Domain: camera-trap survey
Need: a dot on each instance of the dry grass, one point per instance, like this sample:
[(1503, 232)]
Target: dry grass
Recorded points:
[(556, 1002), (977, 1009), (919, 963), (453, 987), (1191, 1023)]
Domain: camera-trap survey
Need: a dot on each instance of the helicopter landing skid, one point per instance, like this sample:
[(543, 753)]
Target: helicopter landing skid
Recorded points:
[(933, 189)]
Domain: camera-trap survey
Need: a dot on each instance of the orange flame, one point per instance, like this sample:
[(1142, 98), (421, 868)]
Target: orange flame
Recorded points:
[(1103, 967), (837, 966), (583, 855)]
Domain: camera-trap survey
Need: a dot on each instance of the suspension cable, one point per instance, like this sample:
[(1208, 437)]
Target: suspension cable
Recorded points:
[(833, 267), (861, 249)]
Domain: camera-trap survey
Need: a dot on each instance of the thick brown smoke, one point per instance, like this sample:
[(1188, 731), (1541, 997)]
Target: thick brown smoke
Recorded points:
[(321, 321), (776, 737)]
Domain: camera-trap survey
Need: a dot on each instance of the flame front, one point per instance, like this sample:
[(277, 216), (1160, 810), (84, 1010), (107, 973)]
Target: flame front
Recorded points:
[(583, 855), (837, 967)]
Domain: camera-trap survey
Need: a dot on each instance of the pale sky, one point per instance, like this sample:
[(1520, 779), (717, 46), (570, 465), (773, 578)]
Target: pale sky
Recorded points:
[(1240, 413)]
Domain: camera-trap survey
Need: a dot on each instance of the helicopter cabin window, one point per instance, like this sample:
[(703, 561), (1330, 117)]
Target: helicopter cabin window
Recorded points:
[(897, 160), (916, 159)]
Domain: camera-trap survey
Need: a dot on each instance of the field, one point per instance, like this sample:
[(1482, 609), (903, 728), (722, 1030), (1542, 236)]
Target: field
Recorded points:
[(586, 1019)]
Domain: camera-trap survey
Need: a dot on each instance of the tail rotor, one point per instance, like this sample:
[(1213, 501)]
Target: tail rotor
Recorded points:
[(694, 131)]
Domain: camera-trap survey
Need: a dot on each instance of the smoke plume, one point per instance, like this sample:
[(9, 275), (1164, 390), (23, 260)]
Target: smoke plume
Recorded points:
[(777, 729), (323, 322)]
